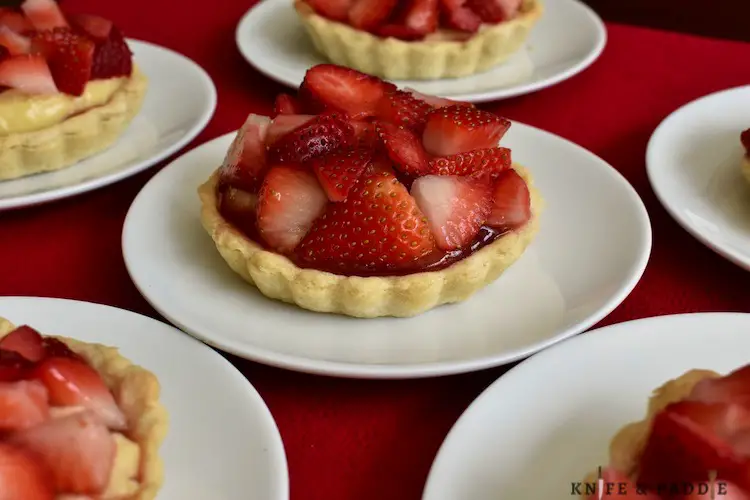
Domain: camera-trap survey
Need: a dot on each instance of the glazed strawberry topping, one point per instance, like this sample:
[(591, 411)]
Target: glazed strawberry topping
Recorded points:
[(44, 14), (23, 474), (112, 58), (733, 388), (338, 10), (27, 73), (14, 42), (480, 163), (97, 28), (322, 135), (458, 129), (25, 341), (369, 14), (283, 124), (511, 202), (246, 157), (338, 172), (15, 20), (494, 11), (23, 404), (403, 148), (13, 366), (404, 109), (745, 138), (459, 17), (70, 58), (286, 105)]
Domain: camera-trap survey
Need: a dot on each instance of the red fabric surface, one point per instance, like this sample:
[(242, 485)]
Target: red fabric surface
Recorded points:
[(375, 440)]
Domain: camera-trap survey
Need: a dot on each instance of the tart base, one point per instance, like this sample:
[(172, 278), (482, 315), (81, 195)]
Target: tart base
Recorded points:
[(745, 166), (279, 278), (74, 139), (396, 59), (137, 392)]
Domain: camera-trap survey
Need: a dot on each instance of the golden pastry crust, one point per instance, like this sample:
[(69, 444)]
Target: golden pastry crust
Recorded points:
[(74, 139), (279, 278), (397, 59), (137, 393), (745, 166)]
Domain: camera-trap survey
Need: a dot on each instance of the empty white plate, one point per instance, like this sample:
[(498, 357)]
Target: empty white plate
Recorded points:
[(548, 422), (592, 248), (693, 162), (180, 100), (222, 441), (568, 38)]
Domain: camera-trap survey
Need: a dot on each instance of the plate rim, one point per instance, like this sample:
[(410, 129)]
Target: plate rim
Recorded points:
[(478, 97), (725, 251), (407, 371), (529, 364), (276, 448), (44, 197)]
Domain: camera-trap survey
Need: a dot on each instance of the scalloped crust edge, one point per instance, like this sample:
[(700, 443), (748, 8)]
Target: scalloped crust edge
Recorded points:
[(137, 392), (279, 278), (397, 59), (75, 138), (628, 444), (745, 166)]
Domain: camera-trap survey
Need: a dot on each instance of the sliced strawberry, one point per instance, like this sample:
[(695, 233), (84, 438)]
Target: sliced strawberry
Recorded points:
[(422, 16), (511, 205), (286, 105), (338, 10), (732, 388), (365, 134), (455, 207), (319, 136), (457, 129), (246, 158), (23, 404), (27, 73), (15, 21), (13, 366), (25, 341), (398, 31), (378, 229), (480, 163), (283, 124), (4, 54), (78, 449), (327, 86), (70, 58), (457, 16), (435, 101), (97, 28), (403, 109), (615, 484), (403, 148), (745, 138), (337, 172), (16, 43), (289, 201), (112, 58), (73, 383), (494, 11), (369, 14), (57, 348), (44, 14), (238, 207), (23, 475)]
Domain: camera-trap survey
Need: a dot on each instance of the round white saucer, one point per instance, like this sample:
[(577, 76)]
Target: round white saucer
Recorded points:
[(591, 250), (222, 440), (180, 100), (568, 39), (547, 423), (693, 162)]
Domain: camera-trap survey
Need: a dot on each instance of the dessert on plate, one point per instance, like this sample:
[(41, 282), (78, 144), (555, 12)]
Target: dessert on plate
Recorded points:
[(361, 199), (694, 441), (77, 421), (745, 138), (418, 39), (68, 87)]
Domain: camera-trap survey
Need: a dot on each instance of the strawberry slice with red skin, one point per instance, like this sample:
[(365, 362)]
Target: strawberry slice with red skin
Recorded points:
[(286, 104), (745, 139), (422, 16), (16, 43), (28, 73), (485, 164), (403, 148), (71, 382), (78, 449), (112, 58), (23, 475), (494, 11), (23, 404), (13, 366), (44, 14), (283, 124), (4, 54), (338, 172), (289, 201), (57, 348), (457, 16), (238, 207), (403, 109), (321, 135), (337, 10), (378, 229), (15, 21), (398, 31), (246, 158), (455, 207), (365, 134), (511, 202), (25, 341), (435, 101), (369, 14), (95, 27), (732, 388), (458, 129), (618, 485), (70, 57)]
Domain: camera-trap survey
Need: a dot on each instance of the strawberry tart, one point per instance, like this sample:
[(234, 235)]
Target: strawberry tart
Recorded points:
[(68, 87), (694, 441), (746, 159), (361, 199), (418, 39), (77, 421)]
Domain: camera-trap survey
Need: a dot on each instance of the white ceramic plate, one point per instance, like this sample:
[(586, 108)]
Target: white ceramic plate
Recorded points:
[(180, 100), (568, 38), (547, 422), (693, 162), (222, 440), (592, 248)]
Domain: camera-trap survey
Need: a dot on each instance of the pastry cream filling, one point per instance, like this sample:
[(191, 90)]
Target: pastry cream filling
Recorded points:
[(21, 112)]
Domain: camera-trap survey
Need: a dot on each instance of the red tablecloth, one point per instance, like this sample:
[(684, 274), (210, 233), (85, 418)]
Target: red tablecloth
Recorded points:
[(375, 440)]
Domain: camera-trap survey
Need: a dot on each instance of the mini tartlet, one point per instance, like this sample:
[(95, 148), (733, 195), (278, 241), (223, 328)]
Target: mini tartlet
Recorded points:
[(745, 166), (68, 88), (67, 391), (419, 40), (696, 430), (314, 210)]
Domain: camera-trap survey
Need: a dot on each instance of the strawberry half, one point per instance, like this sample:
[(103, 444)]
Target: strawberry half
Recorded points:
[(457, 16), (70, 58), (511, 202), (16, 43), (288, 203), (23, 475), (246, 157), (286, 104), (338, 10), (78, 449), (732, 388), (112, 58), (15, 21), (23, 404), (455, 207), (365, 134), (421, 16), (319, 136), (238, 207), (403, 148), (458, 129), (338, 172), (283, 124), (745, 139), (27, 73), (494, 11), (435, 101), (13, 366), (95, 27), (378, 229), (369, 14), (403, 109), (44, 14), (25, 341), (480, 163)]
